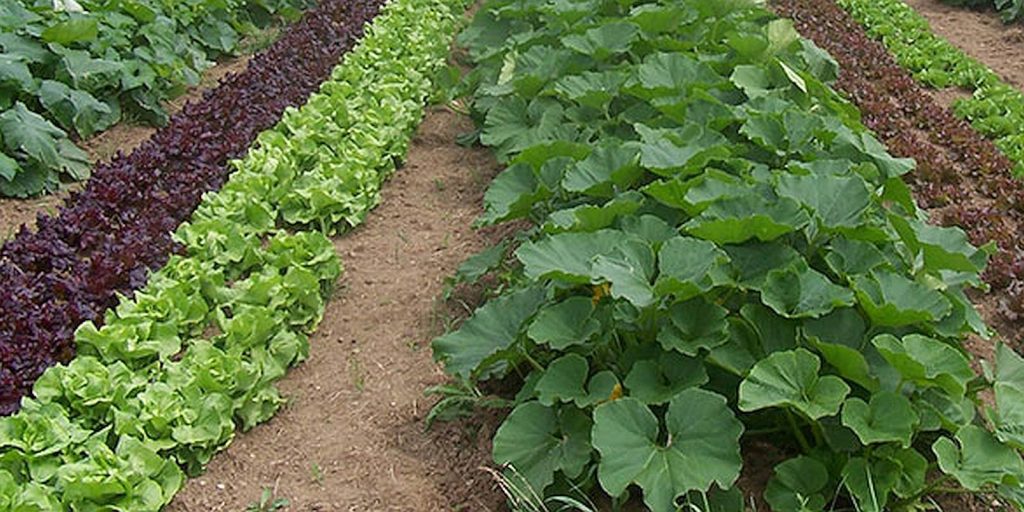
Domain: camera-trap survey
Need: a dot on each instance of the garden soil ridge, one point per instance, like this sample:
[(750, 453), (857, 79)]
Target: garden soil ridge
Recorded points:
[(352, 436)]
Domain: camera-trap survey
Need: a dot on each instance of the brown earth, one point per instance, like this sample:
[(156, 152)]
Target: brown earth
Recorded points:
[(352, 437), (124, 137), (980, 34)]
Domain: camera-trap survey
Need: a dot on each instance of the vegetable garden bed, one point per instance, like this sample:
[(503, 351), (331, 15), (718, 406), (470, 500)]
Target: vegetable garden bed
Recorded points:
[(712, 286)]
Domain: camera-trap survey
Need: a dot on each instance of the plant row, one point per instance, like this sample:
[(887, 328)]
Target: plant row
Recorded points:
[(958, 171), (720, 255), (1009, 10), (161, 387), (80, 67), (995, 108), (106, 238)]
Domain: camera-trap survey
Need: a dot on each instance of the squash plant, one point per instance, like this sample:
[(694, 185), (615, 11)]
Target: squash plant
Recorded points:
[(720, 252)]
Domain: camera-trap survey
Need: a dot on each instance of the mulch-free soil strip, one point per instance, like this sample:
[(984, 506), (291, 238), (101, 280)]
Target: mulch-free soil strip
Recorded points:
[(961, 176), (107, 238)]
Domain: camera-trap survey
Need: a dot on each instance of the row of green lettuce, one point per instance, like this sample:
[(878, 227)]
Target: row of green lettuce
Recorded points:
[(719, 255), (995, 108), (163, 385)]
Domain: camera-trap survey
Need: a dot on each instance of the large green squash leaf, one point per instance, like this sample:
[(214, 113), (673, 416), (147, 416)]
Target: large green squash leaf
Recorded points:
[(978, 459), (891, 299), (702, 449), (888, 417), (687, 266), (835, 201), (736, 220), (797, 486), (492, 328), (927, 362), (791, 379), (538, 441), (802, 292), (567, 323)]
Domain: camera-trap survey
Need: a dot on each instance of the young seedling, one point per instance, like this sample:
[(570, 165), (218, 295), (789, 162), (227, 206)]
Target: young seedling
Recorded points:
[(318, 474), (267, 502)]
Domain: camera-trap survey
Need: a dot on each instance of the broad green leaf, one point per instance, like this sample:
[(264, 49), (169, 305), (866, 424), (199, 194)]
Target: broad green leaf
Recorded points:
[(569, 256), (512, 194), (870, 482), (536, 67), (79, 28), (492, 328), (80, 70), (848, 362), (696, 194), (14, 74), (781, 34), (913, 470), (943, 248), (648, 227), (630, 277), (737, 220), (1008, 415), (836, 201), (26, 49), (685, 150), (753, 80), (844, 326), (888, 417), (927, 362), (791, 379), (607, 168), (753, 261), (671, 73), (848, 257), (9, 167), (567, 323), (591, 217), (481, 263), (27, 132), (655, 19), (563, 380), (938, 410), (702, 449), (604, 386), (893, 300), (604, 41), (694, 325), (978, 459), (797, 486), (538, 441), (591, 89), (513, 125), (75, 109), (802, 292), (686, 267), (775, 333), (656, 381)]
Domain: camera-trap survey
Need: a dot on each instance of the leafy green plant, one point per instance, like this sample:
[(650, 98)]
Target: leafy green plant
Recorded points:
[(719, 251)]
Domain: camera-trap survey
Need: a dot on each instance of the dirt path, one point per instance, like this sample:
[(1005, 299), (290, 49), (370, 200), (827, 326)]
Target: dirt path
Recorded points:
[(357, 404), (123, 137), (981, 34)]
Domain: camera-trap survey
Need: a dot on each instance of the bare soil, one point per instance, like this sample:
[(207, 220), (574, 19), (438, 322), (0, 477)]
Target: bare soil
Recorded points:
[(124, 137), (980, 34), (352, 437)]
